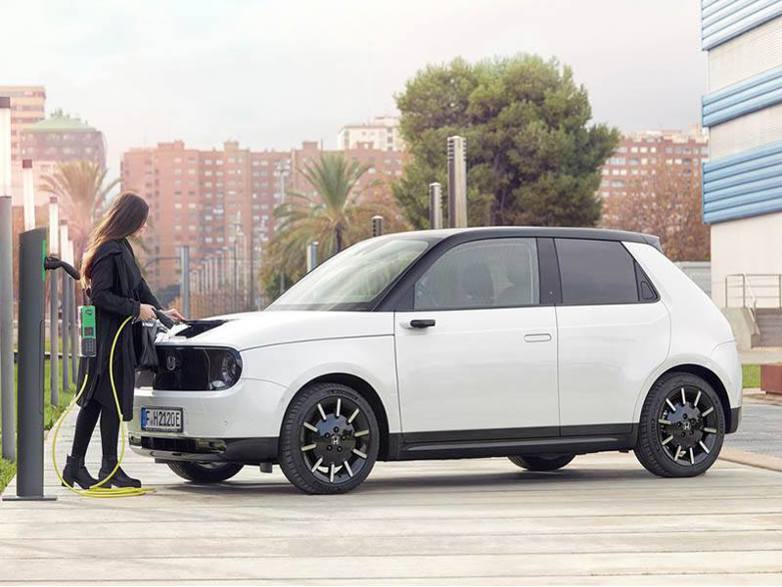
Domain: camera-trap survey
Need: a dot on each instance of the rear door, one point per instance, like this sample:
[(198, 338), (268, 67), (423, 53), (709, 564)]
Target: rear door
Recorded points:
[(476, 356), (613, 332)]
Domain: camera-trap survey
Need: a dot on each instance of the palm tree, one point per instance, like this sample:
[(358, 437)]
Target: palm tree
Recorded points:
[(83, 189), (329, 214)]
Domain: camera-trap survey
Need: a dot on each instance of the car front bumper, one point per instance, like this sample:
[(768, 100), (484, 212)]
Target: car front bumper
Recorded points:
[(240, 424)]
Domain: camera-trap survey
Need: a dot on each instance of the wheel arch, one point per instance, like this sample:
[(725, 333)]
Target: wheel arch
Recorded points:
[(367, 392), (707, 375)]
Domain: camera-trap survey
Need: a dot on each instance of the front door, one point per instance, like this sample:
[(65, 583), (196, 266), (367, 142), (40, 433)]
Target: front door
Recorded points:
[(477, 352)]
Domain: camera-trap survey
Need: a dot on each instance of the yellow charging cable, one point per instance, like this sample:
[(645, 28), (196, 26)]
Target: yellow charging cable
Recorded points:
[(98, 490)]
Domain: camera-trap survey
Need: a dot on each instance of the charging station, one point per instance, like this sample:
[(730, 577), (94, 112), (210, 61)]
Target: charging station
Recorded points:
[(33, 264)]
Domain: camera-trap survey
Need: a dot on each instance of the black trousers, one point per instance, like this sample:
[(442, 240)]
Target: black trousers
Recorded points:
[(85, 426)]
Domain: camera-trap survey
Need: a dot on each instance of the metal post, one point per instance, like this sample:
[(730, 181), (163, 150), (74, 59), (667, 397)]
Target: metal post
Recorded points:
[(377, 226), (457, 182), (184, 278), (251, 285), (6, 287), (236, 279), (54, 249), (74, 334), (29, 475), (66, 302), (312, 256), (28, 192), (743, 290), (779, 289), (435, 205), (6, 327)]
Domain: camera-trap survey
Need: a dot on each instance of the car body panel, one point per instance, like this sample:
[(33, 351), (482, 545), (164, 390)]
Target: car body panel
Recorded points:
[(478, 369)]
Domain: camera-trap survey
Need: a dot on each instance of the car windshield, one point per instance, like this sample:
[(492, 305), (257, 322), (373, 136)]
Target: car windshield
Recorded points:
[(353, 279)]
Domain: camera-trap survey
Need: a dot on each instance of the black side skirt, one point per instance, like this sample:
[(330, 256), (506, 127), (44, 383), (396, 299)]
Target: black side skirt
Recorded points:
[(511, 442)]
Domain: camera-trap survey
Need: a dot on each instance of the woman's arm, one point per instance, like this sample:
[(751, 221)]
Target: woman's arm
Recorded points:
[(101, 282)]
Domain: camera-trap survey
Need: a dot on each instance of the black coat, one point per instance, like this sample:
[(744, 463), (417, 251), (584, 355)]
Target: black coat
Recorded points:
[(117, 289)]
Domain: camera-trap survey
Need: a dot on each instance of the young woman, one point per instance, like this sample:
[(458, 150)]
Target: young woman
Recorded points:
[(113, 283)]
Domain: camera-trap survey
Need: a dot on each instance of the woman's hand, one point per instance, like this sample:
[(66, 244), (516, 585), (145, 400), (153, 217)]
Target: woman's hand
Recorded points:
[(174, 314), (146, 312)]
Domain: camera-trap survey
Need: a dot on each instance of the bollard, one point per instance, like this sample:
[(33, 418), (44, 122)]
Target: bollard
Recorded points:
[(457, 182), (32, 279)]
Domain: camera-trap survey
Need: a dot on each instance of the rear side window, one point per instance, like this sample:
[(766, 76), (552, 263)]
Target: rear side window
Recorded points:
[(596, 272)]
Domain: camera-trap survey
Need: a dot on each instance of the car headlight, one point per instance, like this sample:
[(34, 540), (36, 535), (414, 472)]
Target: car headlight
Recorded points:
[(195, 368), (227, 368)]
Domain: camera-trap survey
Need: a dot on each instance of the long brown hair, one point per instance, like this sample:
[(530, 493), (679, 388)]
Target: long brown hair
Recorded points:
[(126, 215)]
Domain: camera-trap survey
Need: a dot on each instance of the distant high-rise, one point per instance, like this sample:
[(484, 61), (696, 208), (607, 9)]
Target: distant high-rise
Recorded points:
[(61, 138), (382, 133), (28, 106), (205, 198), (641, 153)]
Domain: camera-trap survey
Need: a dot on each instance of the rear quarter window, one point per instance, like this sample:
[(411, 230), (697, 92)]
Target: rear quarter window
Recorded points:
[(596, 272)]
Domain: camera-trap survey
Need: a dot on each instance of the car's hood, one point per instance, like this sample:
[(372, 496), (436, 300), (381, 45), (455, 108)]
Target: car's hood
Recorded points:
[(253, 329)]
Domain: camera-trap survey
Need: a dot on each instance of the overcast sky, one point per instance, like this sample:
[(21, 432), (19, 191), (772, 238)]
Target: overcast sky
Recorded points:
[(272, 73)]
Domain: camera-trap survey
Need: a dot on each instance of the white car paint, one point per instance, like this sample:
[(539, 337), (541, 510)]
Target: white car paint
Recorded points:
[(474, 370)]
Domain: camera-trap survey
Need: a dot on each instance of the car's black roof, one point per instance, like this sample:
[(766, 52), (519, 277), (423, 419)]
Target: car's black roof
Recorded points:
[(536, 231)]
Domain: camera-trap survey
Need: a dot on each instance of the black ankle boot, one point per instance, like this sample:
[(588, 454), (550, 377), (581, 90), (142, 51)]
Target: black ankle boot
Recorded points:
[(120, 478), (75, 473)]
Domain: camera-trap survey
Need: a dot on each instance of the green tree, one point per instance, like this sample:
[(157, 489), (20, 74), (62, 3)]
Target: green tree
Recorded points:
[(331, 214), (84, 190), (533, 157)]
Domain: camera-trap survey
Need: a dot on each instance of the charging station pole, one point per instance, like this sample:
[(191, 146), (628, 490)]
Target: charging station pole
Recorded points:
[(32, 279), (66, 314)]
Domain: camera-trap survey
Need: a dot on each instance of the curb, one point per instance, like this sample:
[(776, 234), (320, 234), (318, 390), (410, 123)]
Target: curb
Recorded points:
[(751, 459)]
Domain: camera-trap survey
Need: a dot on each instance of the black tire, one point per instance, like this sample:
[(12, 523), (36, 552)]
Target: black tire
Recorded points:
[(329, 439), (205, 472), (542, 462), (682, 427)]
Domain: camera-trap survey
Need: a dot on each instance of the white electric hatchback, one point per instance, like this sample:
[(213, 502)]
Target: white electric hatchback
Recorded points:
[(537, 344)]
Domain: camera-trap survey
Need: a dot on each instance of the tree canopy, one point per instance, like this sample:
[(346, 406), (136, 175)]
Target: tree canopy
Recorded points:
[(533, 158)]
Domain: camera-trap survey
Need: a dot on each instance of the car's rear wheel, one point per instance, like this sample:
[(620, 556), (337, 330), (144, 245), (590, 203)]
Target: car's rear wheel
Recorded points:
[(542, 463), (682, 427), (205, 472), (329, 440)]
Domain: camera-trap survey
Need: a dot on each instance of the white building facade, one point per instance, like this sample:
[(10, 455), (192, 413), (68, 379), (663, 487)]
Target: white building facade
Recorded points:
[(742, 181), (381, 133)]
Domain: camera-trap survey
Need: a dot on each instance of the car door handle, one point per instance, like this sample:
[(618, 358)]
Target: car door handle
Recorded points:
[(537, 337), (419, 323)]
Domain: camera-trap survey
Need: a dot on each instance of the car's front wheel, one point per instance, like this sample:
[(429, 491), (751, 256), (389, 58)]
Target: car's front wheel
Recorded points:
[(205, 472), (542, 463), (682, 427), (329, 439)]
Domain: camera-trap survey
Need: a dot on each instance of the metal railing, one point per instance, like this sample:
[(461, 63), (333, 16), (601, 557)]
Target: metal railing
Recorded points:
[(753, 291)]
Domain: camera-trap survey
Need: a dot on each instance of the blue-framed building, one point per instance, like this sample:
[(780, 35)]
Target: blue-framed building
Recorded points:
[(742, 181)]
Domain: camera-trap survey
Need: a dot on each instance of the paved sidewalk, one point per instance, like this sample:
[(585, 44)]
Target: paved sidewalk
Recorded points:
[(603, 519)]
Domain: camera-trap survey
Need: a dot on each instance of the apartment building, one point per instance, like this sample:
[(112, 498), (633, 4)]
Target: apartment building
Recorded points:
[(640, 154), (28, 106), (382, 132)]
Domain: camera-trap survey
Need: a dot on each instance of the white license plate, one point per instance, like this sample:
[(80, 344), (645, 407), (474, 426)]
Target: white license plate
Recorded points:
[(161, 419)]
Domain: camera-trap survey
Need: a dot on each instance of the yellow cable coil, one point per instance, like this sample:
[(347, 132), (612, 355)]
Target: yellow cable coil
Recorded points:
[(98, 490)]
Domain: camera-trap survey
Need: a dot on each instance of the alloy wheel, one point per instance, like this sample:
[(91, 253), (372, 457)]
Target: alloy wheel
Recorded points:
[(335, 439), (688, 426)]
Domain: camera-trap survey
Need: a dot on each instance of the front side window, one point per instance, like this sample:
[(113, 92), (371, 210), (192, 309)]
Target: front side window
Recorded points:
[(596, 272), (497, 273), (354, 278)]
